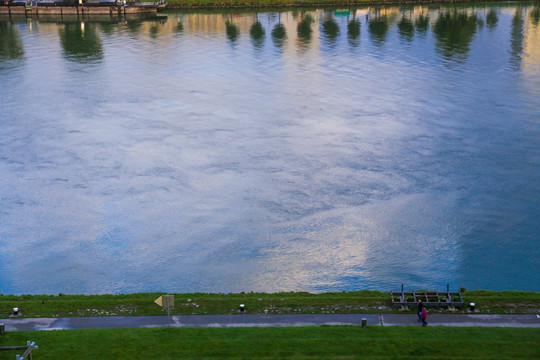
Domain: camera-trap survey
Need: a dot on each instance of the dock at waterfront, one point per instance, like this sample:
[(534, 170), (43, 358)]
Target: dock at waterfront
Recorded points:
[(81, 10)]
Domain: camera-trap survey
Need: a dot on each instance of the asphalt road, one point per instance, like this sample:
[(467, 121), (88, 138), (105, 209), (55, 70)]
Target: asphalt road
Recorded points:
[(249, 320)]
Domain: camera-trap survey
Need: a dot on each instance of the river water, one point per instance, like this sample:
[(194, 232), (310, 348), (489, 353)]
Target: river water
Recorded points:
[(299, 150)]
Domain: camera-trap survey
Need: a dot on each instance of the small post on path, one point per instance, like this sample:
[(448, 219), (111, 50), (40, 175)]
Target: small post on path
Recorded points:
[(166, 302)]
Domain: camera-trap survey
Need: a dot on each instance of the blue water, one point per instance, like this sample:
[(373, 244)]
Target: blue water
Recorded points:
[(321, 150)]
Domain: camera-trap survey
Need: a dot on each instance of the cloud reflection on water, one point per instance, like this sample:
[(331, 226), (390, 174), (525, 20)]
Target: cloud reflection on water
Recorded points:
[(214, 167)]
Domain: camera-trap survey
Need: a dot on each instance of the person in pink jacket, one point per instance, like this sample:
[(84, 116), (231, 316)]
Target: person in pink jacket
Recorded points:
[(424, 317)]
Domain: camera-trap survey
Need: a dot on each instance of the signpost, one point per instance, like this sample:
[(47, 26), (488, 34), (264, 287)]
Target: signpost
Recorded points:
[(166, 302)]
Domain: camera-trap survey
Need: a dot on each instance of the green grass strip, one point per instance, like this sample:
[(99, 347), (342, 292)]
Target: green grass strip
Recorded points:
[(359, 302), (326, 342)]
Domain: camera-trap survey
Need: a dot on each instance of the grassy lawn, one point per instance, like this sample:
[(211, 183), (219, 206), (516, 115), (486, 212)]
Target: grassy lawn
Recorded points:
[(326, 342), (276, 303), (193, 304), (504, 302)]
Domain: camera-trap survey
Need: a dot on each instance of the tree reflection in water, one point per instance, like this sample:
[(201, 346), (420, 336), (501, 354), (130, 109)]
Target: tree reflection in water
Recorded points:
[(155, 28), (279, 35), (109, 27), (304, 29), (134, 26), (422, 24), (179, 28), (454, 32), (10, 42), (378, 28), (331, 30), (535, 16), (406, 29), (232, 31), (257, 34), (353, 31), (516, 39), (81, 42), (492, 19)]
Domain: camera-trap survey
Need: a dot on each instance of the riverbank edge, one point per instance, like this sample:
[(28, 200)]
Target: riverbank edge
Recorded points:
[(285, 4), (366, 301)]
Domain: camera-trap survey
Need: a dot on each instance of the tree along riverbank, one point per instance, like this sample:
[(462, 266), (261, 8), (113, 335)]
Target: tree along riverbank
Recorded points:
[(224, 4), (486, 302)]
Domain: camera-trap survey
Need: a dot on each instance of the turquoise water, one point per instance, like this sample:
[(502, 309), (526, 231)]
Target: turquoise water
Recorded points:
[(305, 150)]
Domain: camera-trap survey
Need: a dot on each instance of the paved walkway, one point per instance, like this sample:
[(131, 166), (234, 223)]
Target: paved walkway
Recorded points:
[(247, 320)]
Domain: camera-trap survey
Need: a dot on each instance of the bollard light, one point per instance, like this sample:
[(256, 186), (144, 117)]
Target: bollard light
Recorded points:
[(242, 308), (471, 306), (15, 311), (364, 322)]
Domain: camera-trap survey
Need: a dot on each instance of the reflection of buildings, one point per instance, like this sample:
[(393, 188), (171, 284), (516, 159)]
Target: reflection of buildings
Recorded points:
[(531, 45), (310, 31), (530, 64), (217, 23)]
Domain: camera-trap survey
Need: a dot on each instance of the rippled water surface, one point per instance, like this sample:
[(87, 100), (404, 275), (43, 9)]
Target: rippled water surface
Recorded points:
[(320, 150)]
